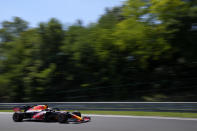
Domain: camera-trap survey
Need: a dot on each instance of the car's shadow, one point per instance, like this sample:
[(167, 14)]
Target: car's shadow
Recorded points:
[(40, 121)]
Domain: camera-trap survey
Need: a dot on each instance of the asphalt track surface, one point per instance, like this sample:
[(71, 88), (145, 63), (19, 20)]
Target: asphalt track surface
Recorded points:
[(103, 123)]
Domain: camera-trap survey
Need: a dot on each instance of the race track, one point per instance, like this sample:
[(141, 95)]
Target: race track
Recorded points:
[(103, 123)]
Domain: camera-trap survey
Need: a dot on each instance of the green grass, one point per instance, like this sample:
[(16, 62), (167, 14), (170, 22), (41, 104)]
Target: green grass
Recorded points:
[(6, 110), (136, 113), (142, 113)]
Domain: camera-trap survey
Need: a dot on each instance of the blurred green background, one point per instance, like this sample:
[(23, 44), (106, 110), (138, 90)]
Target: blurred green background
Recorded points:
[(144, 50)]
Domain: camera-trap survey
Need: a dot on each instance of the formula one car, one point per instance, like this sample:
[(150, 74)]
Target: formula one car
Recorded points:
[(43, 113)]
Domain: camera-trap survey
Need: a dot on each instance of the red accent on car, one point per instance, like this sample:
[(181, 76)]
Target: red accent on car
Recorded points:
[(39, 116), (86, 118), (39, 107)]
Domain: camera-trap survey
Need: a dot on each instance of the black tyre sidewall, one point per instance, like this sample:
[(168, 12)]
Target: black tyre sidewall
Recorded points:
[(62, 118), (17, 117)]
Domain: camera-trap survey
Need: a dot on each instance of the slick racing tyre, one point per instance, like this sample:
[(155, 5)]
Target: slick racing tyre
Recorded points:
[(77, 113), (17, 117), (63, 118)]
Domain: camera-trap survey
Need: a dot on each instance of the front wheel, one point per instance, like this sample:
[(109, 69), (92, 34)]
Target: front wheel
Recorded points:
[(17, 117), (63, 118)]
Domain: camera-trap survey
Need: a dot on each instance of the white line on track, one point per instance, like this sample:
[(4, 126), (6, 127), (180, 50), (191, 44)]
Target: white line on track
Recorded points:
[(122, 116), (143, 117)]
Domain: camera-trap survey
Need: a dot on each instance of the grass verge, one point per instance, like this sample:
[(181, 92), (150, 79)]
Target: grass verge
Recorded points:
[(136, 113), (142, 113), (6, 110)]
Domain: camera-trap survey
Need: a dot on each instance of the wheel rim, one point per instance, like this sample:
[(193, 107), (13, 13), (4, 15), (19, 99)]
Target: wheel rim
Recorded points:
[(61, 117), (16, 117)]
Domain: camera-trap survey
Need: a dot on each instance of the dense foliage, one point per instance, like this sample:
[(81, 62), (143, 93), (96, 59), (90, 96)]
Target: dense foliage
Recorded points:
[(142, 51)]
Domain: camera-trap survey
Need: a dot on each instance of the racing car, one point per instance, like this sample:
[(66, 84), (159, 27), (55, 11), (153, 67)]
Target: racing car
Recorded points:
[(44, 113)]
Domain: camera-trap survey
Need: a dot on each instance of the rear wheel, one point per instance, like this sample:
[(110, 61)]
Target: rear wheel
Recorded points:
[(63, 118), (18, 117)]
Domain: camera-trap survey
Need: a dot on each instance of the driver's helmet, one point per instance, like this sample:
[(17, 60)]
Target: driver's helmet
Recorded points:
[(46, 106)]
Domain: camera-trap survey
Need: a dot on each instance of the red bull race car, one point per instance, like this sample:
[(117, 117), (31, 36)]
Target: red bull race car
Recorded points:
[(43, 113)]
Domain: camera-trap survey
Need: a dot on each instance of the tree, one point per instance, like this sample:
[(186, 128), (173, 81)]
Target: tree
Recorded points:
[(12, 29)]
